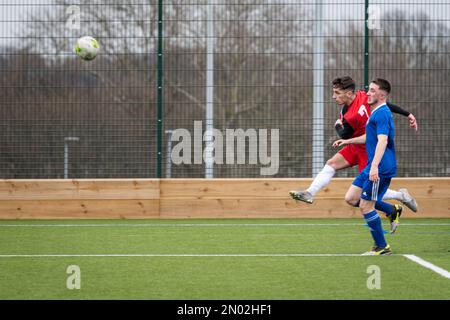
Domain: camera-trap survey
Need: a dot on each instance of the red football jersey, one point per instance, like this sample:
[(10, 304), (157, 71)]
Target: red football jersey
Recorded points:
[(357, 114)]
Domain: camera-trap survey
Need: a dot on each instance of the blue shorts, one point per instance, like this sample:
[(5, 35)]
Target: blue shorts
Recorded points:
[(371, 191)]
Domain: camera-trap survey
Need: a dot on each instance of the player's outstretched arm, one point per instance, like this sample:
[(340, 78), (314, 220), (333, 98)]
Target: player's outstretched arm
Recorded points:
[(396, 109), (343, 142)]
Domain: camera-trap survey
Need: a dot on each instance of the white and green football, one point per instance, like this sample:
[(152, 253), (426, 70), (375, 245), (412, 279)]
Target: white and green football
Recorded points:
[(87, 48)]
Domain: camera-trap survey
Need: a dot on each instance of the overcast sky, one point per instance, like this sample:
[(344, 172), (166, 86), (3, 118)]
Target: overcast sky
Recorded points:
[(14, 12)]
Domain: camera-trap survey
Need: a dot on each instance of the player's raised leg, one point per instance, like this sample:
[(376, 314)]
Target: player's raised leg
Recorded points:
[(323, 178), (403, 196)]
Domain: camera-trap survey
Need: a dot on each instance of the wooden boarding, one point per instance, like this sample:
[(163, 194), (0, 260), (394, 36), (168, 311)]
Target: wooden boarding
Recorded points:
[(253, 208), (268, 198), (79, 199), (79, 209), (272, 208), (255, 188), (197, 198), (79, 189)]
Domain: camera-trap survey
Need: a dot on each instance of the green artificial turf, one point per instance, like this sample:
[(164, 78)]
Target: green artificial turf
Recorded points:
[(220, 277)]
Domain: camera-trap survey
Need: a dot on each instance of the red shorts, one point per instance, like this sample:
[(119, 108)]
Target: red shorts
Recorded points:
[(355, 155)]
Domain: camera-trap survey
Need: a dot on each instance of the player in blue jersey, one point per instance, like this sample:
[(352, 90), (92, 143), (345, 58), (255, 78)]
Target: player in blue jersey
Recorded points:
[(371, 184)]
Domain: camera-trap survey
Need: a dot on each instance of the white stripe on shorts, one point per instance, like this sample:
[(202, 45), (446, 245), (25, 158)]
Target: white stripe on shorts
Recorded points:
[(375, 190)]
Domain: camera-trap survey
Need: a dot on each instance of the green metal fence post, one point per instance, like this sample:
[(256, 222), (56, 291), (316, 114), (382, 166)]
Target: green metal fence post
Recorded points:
[(366, 45), (159, 93)]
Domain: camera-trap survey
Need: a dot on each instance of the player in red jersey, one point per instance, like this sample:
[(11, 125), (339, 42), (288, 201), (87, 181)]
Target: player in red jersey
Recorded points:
[(351, 123)]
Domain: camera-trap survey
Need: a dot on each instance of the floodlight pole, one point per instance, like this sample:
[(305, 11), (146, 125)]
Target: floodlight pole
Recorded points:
[(318, 83), (66, 154), (209, 161)]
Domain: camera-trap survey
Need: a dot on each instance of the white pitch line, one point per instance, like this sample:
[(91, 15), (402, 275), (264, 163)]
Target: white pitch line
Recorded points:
[(428, 265), (175, 225), (186, 255)]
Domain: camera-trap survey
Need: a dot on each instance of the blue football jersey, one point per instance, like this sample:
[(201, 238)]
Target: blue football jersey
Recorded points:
[(381, 122)]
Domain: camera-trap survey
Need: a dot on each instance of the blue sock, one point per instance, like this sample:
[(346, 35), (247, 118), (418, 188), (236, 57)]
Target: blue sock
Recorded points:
[(387, 208), (376, 229)]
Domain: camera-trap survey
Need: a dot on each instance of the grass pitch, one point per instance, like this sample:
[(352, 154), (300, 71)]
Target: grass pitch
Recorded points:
[(219, 259)]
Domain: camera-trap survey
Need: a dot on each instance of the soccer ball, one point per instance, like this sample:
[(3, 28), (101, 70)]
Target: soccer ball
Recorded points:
[(87, 48)]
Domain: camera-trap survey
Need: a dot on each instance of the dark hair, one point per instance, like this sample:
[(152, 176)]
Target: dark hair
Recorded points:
[(383, 84), (344, 83)]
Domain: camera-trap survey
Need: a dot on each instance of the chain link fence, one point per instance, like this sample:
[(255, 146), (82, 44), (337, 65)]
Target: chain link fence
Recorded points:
[(228, 65)]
